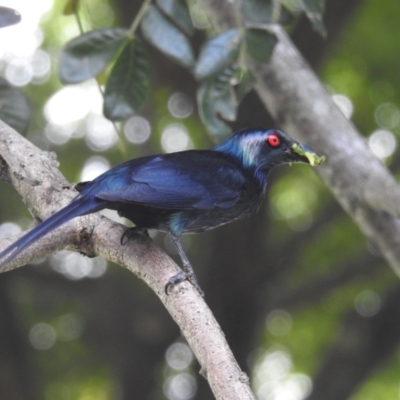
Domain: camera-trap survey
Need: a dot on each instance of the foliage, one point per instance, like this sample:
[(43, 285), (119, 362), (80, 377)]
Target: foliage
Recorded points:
[(167, 26)]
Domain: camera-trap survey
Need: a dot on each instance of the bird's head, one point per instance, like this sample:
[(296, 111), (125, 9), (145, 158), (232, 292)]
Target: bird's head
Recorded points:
[(266, 149)]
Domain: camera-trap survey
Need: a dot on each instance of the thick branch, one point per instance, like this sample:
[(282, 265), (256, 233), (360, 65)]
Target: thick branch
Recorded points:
[(298, 101), (34, 174), (363, 186)]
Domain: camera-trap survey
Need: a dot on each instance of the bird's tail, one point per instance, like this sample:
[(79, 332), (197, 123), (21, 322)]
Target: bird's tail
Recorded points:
[(79, 206)]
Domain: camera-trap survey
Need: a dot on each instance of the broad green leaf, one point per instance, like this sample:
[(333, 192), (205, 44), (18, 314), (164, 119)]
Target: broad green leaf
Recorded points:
[(314, 10), (267, 11), (218, 53), (247, 80), (258, 10), (71, 7), (216, 98), (15, 108), (129, 82), (178, 11), (260, 44), (9, 16), (87, 55), (168, 39), (207, 111), (226, 104), (286, 18)]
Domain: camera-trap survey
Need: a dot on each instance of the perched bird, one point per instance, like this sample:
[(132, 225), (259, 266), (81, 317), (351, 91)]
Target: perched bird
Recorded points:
[(184, 192)]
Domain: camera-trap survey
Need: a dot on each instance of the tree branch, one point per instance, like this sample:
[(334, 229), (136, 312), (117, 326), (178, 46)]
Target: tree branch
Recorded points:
[(35, 175)]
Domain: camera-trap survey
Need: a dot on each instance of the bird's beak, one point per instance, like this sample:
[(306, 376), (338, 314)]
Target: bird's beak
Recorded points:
[(303, 153)]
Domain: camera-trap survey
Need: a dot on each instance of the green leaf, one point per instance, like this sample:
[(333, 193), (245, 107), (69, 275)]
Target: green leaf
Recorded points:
[(260, 44), (258, 10), (286, 18), (178, 11), (129, 82), (87, 55), (216, 98), (9, 16), (218, 53), (314, 10), (15, 108), (165, 37), (226, 104), (247, 80), (207, 112)]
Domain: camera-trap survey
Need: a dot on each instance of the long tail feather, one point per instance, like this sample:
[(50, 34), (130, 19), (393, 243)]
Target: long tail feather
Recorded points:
[(76, 208)]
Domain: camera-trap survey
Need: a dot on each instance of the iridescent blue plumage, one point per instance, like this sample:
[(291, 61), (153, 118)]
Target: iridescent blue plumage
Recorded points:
[(183, 192)]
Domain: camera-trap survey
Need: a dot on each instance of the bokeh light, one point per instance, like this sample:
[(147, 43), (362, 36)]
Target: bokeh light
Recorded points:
[(175, 137), (19, 44), (137, 130), (59, 134), (274, 379), (42, 336), (41, 64), (387, 115), (180, 387), (69, 326), (179, 356), (367, 303), (382, 143), (65, 110), (101, 134), (93, 167), (180, 105), (67, 105), (8, 229), (75, 266)]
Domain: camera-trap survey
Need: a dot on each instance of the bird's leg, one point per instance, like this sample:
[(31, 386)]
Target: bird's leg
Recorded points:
[(133, 231), (187, 274)]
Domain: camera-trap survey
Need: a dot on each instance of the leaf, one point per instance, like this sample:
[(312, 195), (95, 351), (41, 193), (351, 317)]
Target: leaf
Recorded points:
[(71, 7), (314, 10), (165, 37), (216, 98), (258, 10), (286, 18), (207, 112), (260, 44), (9, 16), (226, 104), (217, 54), (247, 80), (129, 82), (87, 55), (178, 11), (267, 11), (15, 108)]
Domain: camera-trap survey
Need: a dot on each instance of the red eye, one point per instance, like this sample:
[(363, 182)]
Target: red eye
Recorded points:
[(273, 140)]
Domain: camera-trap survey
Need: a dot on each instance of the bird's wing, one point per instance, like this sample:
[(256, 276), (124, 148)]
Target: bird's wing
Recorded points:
[(181, 181)]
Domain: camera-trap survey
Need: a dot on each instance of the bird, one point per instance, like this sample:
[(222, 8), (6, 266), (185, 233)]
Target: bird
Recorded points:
[(180, 193)]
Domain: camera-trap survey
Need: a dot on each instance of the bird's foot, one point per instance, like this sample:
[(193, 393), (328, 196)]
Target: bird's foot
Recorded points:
[(186, 275), (132, 232)]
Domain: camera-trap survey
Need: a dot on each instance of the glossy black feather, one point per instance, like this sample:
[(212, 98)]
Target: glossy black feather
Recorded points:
[(184, 192)]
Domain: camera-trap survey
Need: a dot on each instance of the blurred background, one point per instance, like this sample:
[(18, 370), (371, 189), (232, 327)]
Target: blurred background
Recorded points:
[(309, 307)]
